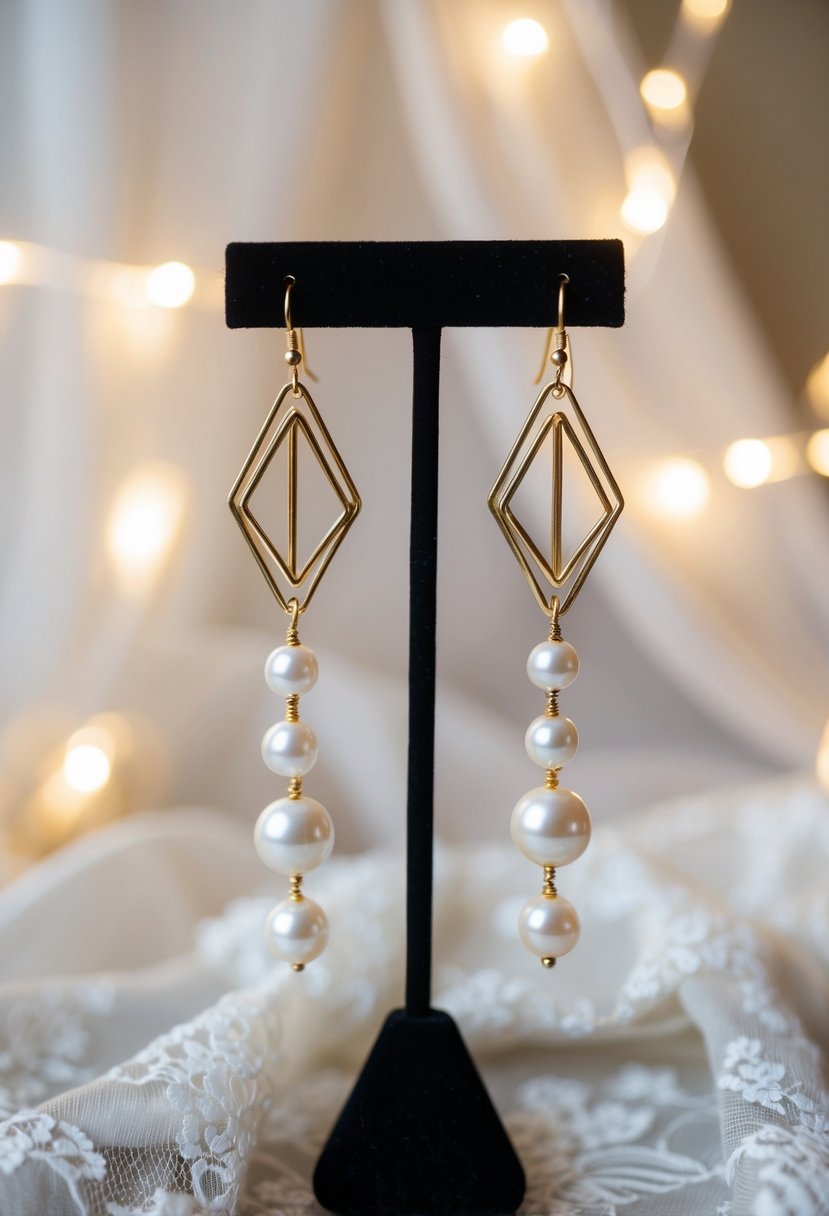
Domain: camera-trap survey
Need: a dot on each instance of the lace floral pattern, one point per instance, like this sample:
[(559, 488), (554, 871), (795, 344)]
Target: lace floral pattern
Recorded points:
[(668, 1071), (63, 1149), (45, 1039)]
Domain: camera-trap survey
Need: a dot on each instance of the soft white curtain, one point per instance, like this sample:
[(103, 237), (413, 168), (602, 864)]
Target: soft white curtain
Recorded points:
[(153, 132)]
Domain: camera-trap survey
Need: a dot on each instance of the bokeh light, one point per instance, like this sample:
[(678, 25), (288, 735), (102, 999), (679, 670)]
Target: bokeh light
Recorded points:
[(748, 463), (524, 37), (644, 211), (11, 260), (676, 488), (145, 519), (817, 452), (170, 285), (663, 89)]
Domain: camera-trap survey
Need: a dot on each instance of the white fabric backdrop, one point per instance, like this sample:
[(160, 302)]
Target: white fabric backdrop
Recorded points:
[(150, 132)]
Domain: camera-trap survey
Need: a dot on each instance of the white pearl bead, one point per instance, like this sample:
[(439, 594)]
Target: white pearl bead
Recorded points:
[(297, 931), (549, 927), (291, 669), (553, 665), (551, 742), (551, 827), (294, 835), (290, 749)]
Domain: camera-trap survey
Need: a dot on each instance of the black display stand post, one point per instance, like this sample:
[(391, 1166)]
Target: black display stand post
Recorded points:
[(419, 1135)]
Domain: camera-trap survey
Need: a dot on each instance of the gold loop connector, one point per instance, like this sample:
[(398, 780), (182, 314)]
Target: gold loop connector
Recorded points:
[(295, 354), (292, 632), (555, 619)]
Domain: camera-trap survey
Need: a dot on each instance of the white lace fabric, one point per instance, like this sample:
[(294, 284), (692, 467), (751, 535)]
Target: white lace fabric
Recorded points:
[(670, 1065)]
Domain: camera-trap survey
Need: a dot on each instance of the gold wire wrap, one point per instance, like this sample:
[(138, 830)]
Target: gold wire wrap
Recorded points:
[(295, 788), (295, 892), (551, 703), (541, 568), (551, 779), (549, 889), (292, 707)]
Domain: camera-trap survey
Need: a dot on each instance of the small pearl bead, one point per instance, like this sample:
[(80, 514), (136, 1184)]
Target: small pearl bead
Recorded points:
[(551, 742), (290, 749), (291, 669), (553, 665), (294, 835), (549, 927), (297, 931), (551, 827)]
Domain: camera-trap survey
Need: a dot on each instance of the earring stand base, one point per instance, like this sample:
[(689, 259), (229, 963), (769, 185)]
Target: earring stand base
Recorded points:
[(449, 1150), (419, 1135)]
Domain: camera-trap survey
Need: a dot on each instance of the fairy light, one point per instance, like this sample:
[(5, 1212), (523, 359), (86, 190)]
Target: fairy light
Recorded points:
[(144, 521), (170, 285), (524, 37), (748, 463), (677, 488), (817, 387), (705, 15), (646, 168), (644, 210), (663, 89), (11, 259), (86, 768), (817, 452)]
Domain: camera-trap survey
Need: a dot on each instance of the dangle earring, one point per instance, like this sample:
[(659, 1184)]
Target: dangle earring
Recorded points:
[(551, 824), (294, 834)]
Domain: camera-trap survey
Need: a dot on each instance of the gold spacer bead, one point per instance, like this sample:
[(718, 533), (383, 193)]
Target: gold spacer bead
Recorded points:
[(548, 962), (551, 779), (292, 707), (295, 788), (297, 966), (296, 888), (551, 703)]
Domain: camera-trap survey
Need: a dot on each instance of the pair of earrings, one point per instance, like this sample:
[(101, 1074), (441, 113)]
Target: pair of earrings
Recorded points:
[(550, 824)]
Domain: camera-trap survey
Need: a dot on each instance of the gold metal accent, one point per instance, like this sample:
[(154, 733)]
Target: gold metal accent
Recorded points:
[(551, 779), (295, 892), (547, 962), (295, 788), (551, 703), (292, 707), (549, 889), (301, 966), (292, 633), (557, 339), (293, 336), (300, 421), (538, 565)]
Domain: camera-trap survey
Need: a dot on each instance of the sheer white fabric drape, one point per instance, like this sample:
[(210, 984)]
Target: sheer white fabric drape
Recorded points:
[(671, 1054)]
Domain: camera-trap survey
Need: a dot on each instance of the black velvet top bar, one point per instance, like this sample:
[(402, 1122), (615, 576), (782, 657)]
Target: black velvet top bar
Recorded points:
[(412, 284)]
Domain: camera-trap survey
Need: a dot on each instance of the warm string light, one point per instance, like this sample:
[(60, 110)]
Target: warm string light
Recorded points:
[(144, 522), (170, 285), (524, 37), (676, 488)]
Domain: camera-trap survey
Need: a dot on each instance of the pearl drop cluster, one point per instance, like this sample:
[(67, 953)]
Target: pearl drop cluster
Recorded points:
[(294, 834), (551, 825)]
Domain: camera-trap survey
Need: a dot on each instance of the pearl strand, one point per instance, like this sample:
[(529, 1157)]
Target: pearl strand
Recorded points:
[(294, 834), (551, 825)]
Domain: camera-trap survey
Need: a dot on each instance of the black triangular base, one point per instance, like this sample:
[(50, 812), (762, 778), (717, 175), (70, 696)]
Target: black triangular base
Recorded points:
[(419, 1135)]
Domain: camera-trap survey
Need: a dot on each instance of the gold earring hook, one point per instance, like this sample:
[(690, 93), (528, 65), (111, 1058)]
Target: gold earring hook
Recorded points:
[(295, 353), (558, 340)]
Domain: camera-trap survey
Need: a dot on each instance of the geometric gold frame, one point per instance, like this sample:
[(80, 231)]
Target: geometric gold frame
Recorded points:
[(539, 567), (298, 425)]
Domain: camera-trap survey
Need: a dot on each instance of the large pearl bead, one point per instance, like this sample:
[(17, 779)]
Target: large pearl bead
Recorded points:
[(549, 927), (551, 742), (294, 835), (290, 749), (291, 669), (297, 931), (553, 665), (551, 827)]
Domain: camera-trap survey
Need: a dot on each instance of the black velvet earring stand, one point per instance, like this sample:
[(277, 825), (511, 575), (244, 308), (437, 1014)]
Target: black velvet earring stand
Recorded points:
[(419, 1135)]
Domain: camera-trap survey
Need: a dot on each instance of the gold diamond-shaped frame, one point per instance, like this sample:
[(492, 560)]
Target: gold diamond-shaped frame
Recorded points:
[(291, 426), (524, 451)]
